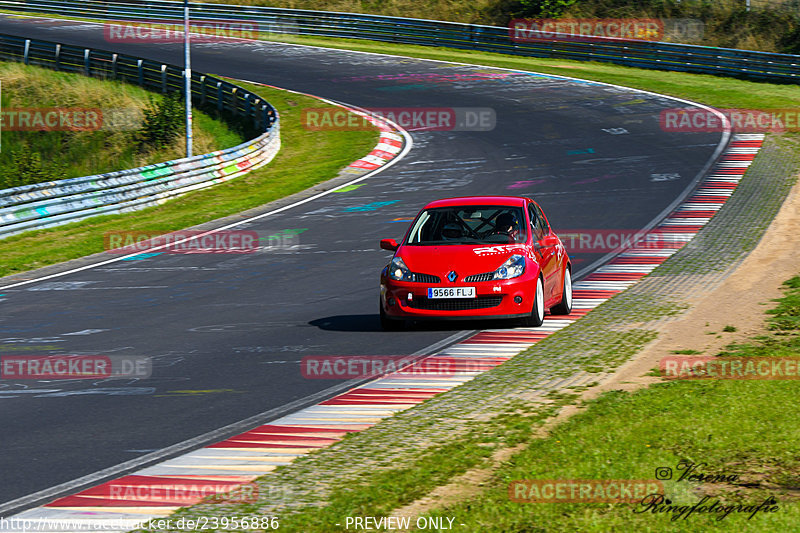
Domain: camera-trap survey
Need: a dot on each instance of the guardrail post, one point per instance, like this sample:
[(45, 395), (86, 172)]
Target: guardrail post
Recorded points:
[(58, 57), (219, 97), (202, 89), (86, 67), (247, 107), (140, 71), (256, 117), (163, 79), (26, 51), (114, 65), (233, 101)]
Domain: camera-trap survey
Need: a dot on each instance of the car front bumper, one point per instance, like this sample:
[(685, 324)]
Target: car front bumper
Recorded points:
[(494, 299)]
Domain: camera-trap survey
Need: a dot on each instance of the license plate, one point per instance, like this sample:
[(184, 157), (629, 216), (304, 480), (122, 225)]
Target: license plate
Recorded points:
[(451, 292)]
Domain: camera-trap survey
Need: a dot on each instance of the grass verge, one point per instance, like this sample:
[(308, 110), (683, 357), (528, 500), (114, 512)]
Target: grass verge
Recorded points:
[(385, 490), (619, 436), (306, 158), (627, 436), (109, 147)]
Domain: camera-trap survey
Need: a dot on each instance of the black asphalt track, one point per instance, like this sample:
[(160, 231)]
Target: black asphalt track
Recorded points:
[(226, 331)]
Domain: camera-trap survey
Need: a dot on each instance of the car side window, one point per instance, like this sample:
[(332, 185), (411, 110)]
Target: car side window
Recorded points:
[(542, 219), (537, 225)]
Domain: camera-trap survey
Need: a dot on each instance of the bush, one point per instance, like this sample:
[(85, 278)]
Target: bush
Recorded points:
[(544, 8), (163, 122), (768, 26), (26, 167)]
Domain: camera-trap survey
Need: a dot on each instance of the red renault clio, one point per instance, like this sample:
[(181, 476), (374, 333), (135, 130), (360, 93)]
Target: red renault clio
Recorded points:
[(476, 257)]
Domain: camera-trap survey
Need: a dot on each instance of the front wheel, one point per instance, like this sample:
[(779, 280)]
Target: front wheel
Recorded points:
[(564, 307), (387, 324), (535, 319)]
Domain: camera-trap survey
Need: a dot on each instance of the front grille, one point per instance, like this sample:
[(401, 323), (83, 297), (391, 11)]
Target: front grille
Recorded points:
[(486, 276), (425, 278), (455, 304)]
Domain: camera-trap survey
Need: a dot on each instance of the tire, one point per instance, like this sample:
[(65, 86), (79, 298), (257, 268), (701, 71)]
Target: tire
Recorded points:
[(387, 324), (564, 307), (535, 319)]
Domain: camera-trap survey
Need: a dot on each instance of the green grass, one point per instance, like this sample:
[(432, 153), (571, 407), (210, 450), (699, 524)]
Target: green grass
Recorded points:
[(306, 158), (743, 430), (83, 153), (628, 435), (385, 489)]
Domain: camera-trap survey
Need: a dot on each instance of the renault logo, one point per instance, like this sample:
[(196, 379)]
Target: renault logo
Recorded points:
[(452, 276)]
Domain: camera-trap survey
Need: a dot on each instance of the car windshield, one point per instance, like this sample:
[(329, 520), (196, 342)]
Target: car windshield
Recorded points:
[(485, 224)]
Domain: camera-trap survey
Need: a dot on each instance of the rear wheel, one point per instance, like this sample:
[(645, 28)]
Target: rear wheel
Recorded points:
[(564, 307), (387, 324), (535, 319)]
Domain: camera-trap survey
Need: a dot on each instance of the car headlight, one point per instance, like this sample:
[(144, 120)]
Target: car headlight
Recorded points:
[(399, 271), (514, 267)]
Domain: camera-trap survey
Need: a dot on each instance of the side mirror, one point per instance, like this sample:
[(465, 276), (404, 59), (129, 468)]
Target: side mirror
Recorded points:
[(389, 244), (548, 241)]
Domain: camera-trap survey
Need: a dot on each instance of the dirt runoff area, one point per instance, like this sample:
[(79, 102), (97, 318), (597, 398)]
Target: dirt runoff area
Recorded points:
[(739, 301)]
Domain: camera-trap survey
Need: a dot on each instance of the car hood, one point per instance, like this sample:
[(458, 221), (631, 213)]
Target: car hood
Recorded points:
[(464, 259)]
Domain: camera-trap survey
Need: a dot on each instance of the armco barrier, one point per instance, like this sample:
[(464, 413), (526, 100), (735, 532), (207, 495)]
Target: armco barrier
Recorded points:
[(784, 68), (43, 205)]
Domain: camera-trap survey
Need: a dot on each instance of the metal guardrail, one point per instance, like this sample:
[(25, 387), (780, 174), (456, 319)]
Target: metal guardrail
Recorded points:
[(50, 204), (42, 205), (764, 66)]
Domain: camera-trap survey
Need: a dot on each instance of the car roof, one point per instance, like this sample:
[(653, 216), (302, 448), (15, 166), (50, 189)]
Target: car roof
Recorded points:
[(517, 201)]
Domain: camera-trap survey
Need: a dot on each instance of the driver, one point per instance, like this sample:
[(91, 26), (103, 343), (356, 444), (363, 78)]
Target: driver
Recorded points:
[(506, 224)]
